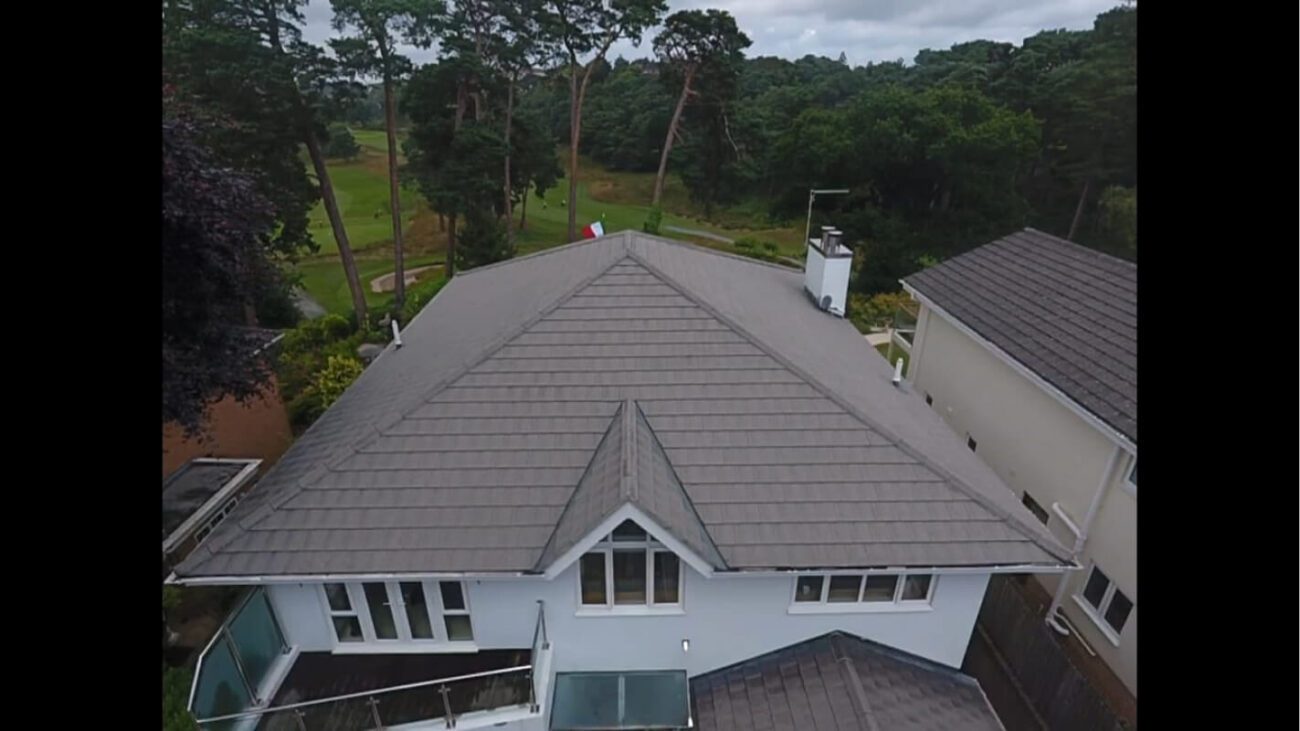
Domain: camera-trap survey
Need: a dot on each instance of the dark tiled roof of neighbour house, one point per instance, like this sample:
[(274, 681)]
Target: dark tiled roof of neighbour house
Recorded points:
[(767, 434), (838, 682), (1065, 312)]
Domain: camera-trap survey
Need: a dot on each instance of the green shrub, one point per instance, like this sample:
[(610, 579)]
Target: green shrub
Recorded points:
[(756, 248), (653, 220), (176, 694), (874, 313), (339, 373), (482, 241)]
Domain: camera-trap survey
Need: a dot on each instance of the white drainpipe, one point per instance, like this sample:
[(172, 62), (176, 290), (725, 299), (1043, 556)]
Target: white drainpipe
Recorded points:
[(1082, 538)]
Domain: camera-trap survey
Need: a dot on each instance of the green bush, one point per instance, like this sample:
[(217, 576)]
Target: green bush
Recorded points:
[(653, 220), (332, 380), (869, 314), (176, 694), (304, 354), (756, 248)]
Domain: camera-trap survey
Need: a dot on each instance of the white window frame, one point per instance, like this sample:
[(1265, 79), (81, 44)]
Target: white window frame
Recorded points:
[(353, 610), (607, 547), (1097, 615), (897, 604), (440, 642)]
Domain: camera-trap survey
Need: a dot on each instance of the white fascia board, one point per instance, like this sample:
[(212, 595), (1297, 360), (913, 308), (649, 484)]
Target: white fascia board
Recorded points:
[(321, 578), (936, 570), (1092, 419), (607, 526)]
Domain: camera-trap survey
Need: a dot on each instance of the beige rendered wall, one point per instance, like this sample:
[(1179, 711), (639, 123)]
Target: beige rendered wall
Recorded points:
[(1037, 444), (256, 429)]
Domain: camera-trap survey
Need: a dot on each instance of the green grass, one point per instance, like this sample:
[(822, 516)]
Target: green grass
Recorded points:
[(898, 353), (620, 199), (323, 279)]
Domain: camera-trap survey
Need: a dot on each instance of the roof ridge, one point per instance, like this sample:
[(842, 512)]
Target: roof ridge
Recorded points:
[(829, 393), (1078, 247), (708, 250), (541, 252)]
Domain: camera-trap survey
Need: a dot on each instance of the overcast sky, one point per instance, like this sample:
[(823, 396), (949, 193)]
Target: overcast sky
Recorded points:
[(865, 30)]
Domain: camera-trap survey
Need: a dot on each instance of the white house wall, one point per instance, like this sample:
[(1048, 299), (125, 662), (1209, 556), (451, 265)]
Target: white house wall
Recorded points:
[(1037, 444), (726, 620)]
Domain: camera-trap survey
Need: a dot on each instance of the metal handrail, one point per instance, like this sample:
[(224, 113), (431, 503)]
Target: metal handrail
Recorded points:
[(365, 694)]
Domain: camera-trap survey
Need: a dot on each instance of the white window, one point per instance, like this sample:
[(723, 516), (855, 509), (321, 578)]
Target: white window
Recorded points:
[(416, 613), (863, 590), (1109, 606), (629, 568)]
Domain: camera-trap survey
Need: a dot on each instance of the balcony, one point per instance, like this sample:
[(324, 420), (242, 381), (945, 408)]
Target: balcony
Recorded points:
[(248, 679)]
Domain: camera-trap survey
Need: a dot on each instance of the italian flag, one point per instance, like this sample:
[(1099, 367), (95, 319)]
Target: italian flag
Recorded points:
[(593, 230)]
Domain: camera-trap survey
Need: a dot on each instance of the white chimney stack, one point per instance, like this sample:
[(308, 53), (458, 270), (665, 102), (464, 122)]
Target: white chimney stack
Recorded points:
[(826, 275)]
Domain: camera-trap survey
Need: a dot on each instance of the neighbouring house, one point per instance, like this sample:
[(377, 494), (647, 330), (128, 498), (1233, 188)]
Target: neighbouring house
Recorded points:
[(604, 486), (257, 428), (197, 497), (1027, 348)]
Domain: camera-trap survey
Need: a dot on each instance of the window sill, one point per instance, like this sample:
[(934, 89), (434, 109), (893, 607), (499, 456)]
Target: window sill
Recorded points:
[(1097, 621), (859, 608), (629, 611), (404, 648)]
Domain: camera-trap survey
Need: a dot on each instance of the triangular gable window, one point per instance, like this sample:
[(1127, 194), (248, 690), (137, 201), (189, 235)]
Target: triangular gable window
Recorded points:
[(629, 568)]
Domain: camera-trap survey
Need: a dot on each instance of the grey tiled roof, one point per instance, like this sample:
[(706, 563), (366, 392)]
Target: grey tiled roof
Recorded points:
[(838, 682), (461, 450), (1066, 312)]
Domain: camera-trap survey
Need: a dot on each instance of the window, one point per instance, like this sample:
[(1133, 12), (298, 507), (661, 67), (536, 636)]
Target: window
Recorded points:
[(629, 568), (1110, 605), (929, 400), (211, 523), (863, 590), (347, 625), (399, 612), (970, 442), (1038, 510), (455, 612)]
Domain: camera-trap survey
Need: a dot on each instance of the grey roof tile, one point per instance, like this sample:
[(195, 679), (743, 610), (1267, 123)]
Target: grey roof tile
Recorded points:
[(762, 433), (838, 682), (1066, 312)]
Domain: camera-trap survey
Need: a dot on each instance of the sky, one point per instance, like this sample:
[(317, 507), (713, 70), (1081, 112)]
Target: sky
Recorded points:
[(864, 30)]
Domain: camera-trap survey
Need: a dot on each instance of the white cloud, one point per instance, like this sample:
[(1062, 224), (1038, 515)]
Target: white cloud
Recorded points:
[(865, 30)]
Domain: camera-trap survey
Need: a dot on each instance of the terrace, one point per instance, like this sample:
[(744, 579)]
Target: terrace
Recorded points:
[(249, 679)]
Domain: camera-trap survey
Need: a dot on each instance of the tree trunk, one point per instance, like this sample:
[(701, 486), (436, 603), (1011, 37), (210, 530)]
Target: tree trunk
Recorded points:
[(336, 223), (1078, 210), (668, 141), (449, 268), (326, 186), (394, 195), (575, 110), (510, 110), (523, 209)]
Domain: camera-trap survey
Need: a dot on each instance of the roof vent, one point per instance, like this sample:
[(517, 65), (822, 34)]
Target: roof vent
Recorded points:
[(826, 273), (898, 372), (397, 335)]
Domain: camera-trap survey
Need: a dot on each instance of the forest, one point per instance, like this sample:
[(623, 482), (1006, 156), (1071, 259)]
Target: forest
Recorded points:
[(939, 154)]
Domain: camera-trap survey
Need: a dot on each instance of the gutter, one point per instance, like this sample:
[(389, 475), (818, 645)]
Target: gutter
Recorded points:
[(1081, 538)]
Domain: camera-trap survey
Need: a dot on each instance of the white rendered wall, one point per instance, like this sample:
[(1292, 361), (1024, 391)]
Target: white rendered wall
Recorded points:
[(726, 620)]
